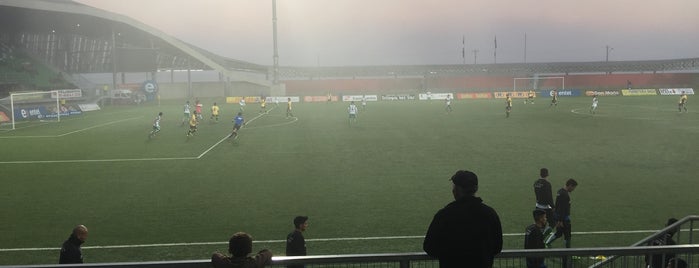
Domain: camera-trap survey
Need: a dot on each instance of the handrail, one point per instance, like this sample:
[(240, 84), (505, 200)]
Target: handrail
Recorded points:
[(405, 257)]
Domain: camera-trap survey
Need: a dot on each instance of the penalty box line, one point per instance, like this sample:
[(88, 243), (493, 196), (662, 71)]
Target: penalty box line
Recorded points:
[(308, 240), (226, 137)]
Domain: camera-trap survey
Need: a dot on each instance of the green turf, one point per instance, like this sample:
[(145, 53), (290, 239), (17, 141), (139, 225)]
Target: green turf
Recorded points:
[(384, 176)]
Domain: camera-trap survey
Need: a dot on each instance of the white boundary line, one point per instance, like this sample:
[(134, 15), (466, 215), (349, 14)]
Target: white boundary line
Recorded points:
[(307, 240), (72, 132)]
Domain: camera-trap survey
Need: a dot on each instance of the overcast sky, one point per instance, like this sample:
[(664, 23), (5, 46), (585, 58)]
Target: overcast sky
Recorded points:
[(387, 32)]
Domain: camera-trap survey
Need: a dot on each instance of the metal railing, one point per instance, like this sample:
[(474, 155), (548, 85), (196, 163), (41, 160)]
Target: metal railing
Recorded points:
[(612, 257)]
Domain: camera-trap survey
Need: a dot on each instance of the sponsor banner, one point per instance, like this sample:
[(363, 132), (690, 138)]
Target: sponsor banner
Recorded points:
[(476, 95), (87, 107), (247, 99), (513, 94), (360, 97), (150, 87), (319, 98), (37, 112), (3, 117), (562, 93), (282, 99), (66, 93), (394, 97), (639, 92), (676, 91), (591, 93), (435, 96)]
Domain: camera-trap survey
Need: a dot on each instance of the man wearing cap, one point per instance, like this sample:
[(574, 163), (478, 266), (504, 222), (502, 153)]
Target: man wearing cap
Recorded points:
[(295, 242), (71, 251), (466, 232)]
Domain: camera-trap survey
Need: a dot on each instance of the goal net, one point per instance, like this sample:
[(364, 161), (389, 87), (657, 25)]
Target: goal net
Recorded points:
[(538, 83), (30, 108)]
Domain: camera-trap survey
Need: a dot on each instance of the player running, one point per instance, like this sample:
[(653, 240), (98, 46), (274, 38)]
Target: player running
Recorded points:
[(593, 108), (530, 97), (508, 106), (214, 112), (363, 103), (238, 122), (186, 113), (263, 105), (352, 109), (242, 104), (192, 125), (198, 107), (682, 104), (156, 125)]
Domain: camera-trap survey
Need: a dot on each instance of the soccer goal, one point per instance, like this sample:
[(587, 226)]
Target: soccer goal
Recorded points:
[(33, 107), (532, 83)]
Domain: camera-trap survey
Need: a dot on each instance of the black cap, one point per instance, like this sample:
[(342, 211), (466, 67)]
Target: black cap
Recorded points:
[(466, 180), (300, 220)]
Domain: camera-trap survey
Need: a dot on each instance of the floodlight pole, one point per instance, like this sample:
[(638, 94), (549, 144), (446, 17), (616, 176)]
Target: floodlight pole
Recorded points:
[(275, 75)]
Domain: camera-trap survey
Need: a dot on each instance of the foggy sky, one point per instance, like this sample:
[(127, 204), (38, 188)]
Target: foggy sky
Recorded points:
[(387, 32)]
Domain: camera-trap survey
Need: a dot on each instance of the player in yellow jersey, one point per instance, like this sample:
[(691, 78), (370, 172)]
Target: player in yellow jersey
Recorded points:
[(214, 112), (288, 108), (508, 106), (263, 105), (682, 104), (530, 97), (192, 124)]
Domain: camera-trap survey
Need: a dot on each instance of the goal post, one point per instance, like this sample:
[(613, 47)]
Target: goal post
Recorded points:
[(536, 80), (40, 106)]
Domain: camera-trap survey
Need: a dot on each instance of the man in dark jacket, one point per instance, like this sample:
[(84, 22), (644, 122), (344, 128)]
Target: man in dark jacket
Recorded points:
[(240, 247), (534, 238), (465, 233), (70, 251), (295, 242)]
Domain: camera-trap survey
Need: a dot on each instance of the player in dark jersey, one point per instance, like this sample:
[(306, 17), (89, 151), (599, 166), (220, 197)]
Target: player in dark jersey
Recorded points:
[(562, 214), (544, 198), (534, 238), (238, 122), (554, 98)]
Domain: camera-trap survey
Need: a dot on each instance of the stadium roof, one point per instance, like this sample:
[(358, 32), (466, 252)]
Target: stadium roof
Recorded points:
[(69, 19)]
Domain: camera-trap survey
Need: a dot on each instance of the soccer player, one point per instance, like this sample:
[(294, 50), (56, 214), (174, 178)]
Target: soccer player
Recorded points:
[(682, 103), (448, 103), (363, 103), (214, 112), (554, 98), (186, 113), (192, 125), (534, 238), (593, 108), (263, 105), (352, 109), (242, 104), (288, 108), (508, 105), (198, 106), (530, 97), (238, 122), (156, 125)]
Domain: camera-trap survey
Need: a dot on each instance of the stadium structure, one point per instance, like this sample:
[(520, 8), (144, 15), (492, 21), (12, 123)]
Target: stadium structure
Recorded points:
[(63, 45)]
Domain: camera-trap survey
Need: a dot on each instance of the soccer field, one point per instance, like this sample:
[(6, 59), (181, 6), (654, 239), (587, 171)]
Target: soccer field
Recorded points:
[(368, 187)]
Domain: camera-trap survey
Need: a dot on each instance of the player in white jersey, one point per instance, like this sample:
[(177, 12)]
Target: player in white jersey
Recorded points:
[(156, 125), (187, 113), (352, 109), (364, 103), (242, 104), (594, 105), (448, 102)]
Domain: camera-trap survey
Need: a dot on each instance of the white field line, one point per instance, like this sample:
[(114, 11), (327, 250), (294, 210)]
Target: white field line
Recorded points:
[(72, 132), (226, 137), (307, 240)]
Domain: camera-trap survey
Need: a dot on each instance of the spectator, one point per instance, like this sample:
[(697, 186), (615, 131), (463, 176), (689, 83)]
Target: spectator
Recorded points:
[(544, 197), (240, 246), (658, 260), (466, 232), (71, 251), (295, 242), (676, 263), (534, 238)]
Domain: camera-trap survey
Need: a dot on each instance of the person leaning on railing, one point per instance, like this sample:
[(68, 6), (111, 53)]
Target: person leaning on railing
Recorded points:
[(240, 246)]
